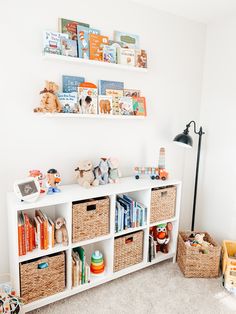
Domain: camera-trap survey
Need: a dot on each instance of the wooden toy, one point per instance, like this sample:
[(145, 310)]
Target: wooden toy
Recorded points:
[(97, 263), (229, 266), (53, 179), (38, 175)]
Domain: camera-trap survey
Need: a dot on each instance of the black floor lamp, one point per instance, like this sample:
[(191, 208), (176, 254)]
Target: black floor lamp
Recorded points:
[(185, 139)]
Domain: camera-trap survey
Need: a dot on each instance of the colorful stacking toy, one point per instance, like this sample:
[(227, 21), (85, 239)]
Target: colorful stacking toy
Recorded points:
[(97, 263)]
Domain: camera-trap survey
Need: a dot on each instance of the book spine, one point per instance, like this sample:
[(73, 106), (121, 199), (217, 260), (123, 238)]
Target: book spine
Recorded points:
[(20, 244), (41, 236), (23, 240), (137, 216), (30, 228), (80, 272), (45, 232)]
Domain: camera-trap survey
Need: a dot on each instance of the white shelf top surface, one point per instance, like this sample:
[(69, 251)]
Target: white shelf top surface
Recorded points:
[(75, 192), (89, 116)]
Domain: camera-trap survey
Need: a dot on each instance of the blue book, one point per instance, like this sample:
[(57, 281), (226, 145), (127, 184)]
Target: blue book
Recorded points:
[(116, 220), (104, 85), (70, 83), (126, 205), (83, 40)]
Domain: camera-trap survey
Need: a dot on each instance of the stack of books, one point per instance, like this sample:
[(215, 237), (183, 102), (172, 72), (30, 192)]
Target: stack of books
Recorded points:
[(77, 39), (80, 268), (37, 232), (129, 213), (152, 248)]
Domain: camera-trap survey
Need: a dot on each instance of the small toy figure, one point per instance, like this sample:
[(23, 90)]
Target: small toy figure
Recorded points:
[(85, 175), (161, 234), (49, 101), (101, 171), (53, 179), (61, 233), (40, 177), (114, 172)]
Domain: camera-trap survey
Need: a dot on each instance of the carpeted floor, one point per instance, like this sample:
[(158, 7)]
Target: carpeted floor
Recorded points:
[(160, 289)]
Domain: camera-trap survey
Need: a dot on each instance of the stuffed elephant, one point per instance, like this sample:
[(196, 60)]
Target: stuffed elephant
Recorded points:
[(101, 171)]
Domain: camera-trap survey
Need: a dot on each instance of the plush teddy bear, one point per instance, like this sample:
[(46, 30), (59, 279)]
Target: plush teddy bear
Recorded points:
[(85, 175), (101, 171), (114, 172), (61, 233), (49, 101)]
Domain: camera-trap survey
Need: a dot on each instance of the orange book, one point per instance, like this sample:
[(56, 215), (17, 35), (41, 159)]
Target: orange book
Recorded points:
[(96, 44), (43, 228), (20, 243), (139, 106), (27, 232), (31, 230), (53, 231), (41, 233)]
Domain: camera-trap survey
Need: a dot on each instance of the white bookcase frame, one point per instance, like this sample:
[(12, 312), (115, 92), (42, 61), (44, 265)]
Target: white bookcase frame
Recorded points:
[(60, 204)]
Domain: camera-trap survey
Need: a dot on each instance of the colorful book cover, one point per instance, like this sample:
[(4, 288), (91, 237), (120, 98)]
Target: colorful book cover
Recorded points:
[(126, 56), (104, 104), (70, 83), (96, 44), (132, 93), (109, 54), (69, 47), (81, 253), (87, 98), (104, 85), (70, 27), (83, 40), (139, 106), (52, 42), (131, 40), (126, 105), (141, 58), (116, 94), (68, 102), (117, 44)]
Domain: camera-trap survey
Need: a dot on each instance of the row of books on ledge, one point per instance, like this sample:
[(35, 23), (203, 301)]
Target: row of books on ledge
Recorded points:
[(77, 39), (37, 232), (109, 97), (129, 213), (80, 267)]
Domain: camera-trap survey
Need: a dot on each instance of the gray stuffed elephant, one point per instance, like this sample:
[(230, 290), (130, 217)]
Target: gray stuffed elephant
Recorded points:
[(101, 171)]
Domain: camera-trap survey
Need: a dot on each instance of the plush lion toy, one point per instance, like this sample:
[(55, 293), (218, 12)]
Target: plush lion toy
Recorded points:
[(49, 101)]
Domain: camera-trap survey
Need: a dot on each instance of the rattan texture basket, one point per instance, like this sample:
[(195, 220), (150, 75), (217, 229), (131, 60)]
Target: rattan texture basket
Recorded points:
[(39, 283), (90, 218), (193, 263), (163, 203), (128, 250)]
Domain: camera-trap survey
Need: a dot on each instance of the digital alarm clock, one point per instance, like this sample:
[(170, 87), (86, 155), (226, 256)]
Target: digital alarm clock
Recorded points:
[(27, 189)]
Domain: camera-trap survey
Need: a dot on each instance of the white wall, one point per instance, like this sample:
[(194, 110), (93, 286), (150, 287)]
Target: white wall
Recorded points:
[(217, 203), (172, 86)]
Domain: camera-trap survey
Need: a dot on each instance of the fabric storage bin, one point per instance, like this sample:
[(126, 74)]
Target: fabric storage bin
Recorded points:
[(193, 262), (163, 203), (90, 218), (128, 250), (42, 277)]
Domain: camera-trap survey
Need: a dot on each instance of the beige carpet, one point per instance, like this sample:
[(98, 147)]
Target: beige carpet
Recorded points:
[(160, 289)]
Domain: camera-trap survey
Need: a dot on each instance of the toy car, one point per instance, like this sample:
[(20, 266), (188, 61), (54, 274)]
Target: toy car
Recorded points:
[(153, 172)]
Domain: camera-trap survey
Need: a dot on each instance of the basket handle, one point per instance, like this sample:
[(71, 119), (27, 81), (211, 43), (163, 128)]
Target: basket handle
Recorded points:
[(164, 193), (91, 207), (129, 240), (43, 265)]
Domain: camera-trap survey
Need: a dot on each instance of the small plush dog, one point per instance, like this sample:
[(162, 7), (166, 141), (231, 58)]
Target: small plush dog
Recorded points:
[(61, 233)]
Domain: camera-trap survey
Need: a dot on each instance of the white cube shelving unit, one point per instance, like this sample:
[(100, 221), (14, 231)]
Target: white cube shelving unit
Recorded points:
[(60, 204)]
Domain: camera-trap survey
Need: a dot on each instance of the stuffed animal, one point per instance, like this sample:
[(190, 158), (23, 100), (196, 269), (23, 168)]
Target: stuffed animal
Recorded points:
[(53, 179), (85, 175), (49, 101), (114, 172), (105, 106), (101, 171), (61, 233), (199, 238), (161, 234)]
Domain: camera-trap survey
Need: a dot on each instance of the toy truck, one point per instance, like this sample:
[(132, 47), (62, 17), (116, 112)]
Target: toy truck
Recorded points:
[(229, 266), (153, 172)]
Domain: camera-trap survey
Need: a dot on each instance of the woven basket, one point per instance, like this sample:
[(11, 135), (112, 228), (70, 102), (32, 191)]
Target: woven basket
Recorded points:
[(90, 218), (193, 263), (38, 283), (128, 250)]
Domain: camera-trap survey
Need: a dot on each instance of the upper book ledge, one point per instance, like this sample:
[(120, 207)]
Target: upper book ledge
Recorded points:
[(50, 56)]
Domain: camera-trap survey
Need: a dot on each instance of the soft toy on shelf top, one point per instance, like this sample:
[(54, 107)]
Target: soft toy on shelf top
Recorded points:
[(49, 101), (114, 172), (40, 177), (101, 171), (53, 179), (84, 174)]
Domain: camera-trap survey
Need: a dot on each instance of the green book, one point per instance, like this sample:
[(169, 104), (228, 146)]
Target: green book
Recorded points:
[(81, 252), (70, 27)]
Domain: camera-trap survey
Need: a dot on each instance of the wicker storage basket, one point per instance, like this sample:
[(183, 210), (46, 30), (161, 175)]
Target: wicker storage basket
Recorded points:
[(128, 250), (163, 203), (90, 218), (42, 277), (193, 262)]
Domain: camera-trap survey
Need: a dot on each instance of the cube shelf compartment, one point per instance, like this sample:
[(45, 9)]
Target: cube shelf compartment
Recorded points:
[(61, 205)]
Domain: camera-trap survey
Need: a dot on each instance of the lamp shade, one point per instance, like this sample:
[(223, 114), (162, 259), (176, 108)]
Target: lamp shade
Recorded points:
[(184, 139)]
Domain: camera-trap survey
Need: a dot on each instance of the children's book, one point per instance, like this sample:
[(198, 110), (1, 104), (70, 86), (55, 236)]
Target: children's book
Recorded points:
[(109, 54), (126, 105), (83, 40), (104, 85), (70, 27), (131, 93), (70, 83), (141, 58), (131, 40), (96, 44), (126, 56), (116, 94), (69, 47), (68, 102), (87, 98), (139, 106), (117, 44), (52, 42), (104, 104)]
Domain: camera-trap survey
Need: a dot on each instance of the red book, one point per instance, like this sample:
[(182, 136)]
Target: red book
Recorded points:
[(23, 240)]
